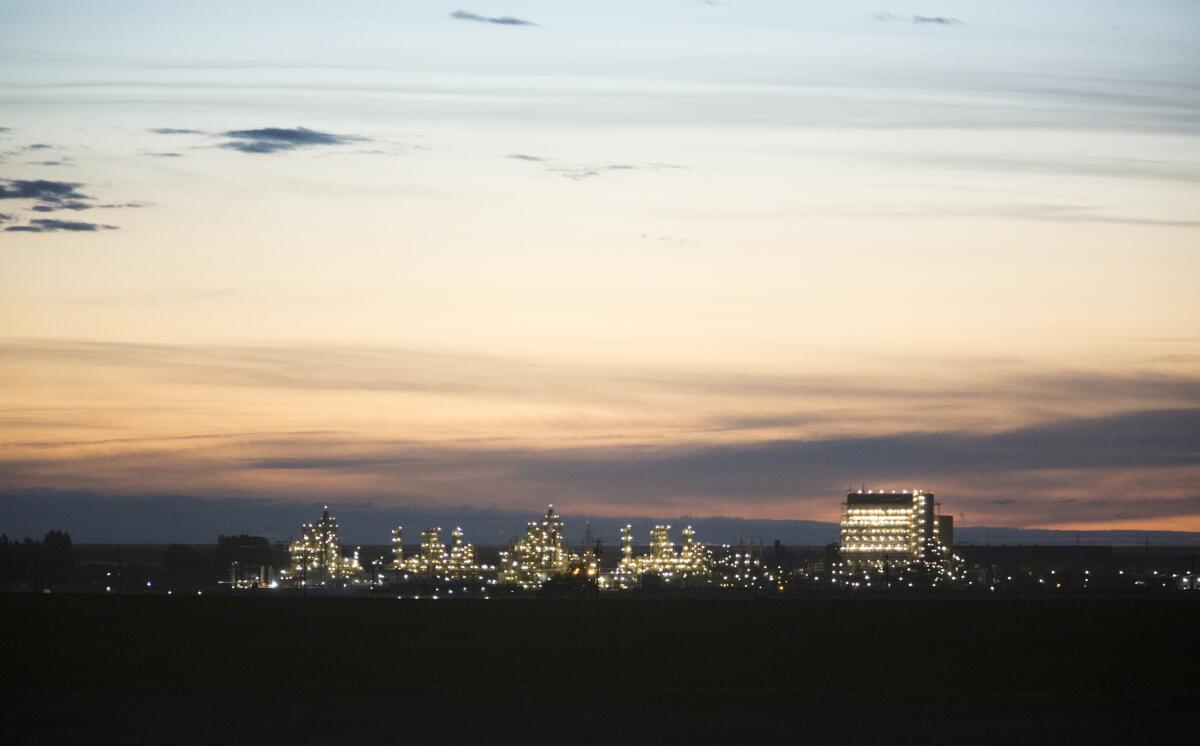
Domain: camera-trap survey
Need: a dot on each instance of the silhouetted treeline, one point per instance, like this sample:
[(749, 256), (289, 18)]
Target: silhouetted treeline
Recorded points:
[(30, 564)]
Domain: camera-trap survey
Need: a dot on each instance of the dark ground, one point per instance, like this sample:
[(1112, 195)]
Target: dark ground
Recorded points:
[(238, 669)]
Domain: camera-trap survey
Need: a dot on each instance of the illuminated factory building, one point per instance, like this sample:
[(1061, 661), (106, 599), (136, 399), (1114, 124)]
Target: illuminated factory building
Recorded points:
[(888, 538), (398, 548), (538, 556), (317, 555), (542, 554), (462, 557), (432, 560), (896, 529), (693, 563), (742, 567)]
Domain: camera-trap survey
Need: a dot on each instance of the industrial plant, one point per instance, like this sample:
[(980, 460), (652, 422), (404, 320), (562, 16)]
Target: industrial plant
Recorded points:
[(888, 539)]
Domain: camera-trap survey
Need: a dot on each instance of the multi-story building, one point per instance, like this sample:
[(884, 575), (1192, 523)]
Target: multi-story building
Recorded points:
[(887, 529)]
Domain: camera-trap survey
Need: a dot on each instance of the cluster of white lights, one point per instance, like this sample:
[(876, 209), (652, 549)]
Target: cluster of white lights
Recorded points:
[(875, 533), (744, 569), (542, 554), (693, 561), (317, 556), (433, 561)]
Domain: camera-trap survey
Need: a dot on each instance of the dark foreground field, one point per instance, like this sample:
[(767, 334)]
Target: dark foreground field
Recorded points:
[(242, 669)]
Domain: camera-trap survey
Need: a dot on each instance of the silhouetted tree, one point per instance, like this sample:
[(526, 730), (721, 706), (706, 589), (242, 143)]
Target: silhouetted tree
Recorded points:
[(36, 564), (57, 557)]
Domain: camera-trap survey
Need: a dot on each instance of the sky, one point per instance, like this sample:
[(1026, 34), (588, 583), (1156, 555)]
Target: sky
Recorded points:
[(633, 258)]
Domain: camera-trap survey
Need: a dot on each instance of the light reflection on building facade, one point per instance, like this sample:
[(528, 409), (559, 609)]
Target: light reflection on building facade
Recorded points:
[(895, 530)]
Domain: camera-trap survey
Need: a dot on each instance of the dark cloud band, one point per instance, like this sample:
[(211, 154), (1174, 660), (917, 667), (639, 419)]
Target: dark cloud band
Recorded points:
[(50, 225), (281, 139), (42, 190), (54, 196)]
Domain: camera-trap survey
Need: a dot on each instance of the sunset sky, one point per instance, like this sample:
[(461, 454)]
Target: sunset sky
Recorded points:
[(650, 258)]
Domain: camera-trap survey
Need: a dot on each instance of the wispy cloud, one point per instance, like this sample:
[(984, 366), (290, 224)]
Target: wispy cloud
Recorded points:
[(600, 403), (124, 205), (263, 140), (918, 19), (176, 131), (50, 225), (936, 20), (1050, 213), (462, 15), (581, 171), (1142, 463), (1117, 168), (609, 435), (55, 196), (65, 205), (1029, 461), (1086, 214), (282, 139)]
